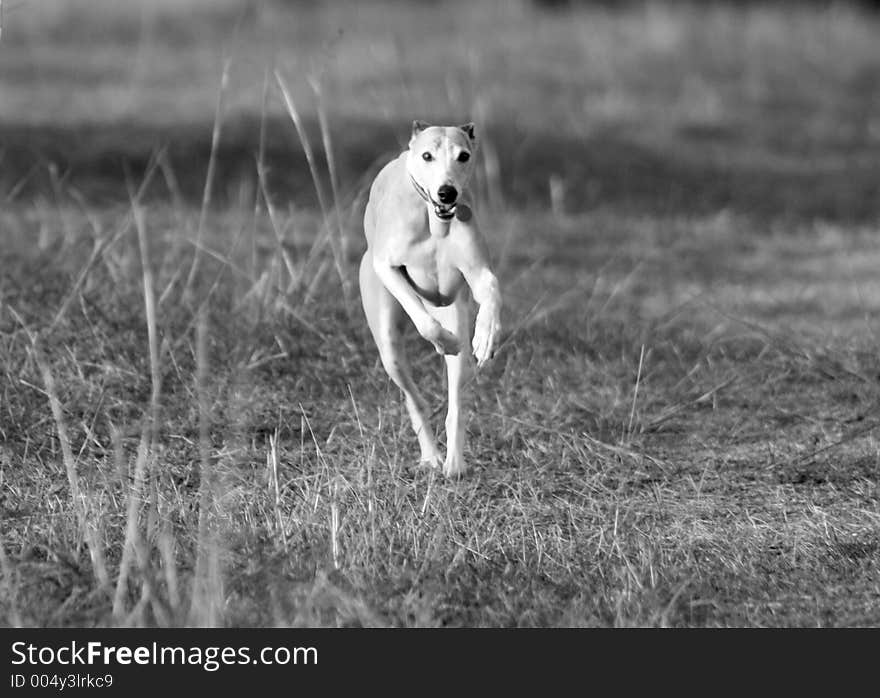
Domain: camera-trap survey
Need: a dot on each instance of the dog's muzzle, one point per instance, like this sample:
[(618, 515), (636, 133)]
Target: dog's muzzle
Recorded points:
[(445, 212)]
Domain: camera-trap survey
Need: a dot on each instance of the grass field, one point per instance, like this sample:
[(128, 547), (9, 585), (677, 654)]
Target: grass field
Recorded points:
[(680, 428)]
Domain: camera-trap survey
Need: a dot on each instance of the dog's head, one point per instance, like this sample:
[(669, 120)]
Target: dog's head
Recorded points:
[(440, 161)]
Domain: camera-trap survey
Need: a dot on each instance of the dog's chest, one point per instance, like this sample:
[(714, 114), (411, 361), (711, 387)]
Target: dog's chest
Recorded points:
[(431, 270)]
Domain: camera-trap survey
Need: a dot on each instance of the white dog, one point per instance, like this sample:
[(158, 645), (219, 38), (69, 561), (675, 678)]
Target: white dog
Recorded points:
[(423, 252)]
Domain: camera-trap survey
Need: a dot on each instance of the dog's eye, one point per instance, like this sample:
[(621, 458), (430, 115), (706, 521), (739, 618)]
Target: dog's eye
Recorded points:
[(464, 156), (427, 157)]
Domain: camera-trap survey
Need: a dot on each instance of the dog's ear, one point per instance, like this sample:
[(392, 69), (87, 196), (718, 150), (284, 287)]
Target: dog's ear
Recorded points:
[(419, 126), (468, 128)]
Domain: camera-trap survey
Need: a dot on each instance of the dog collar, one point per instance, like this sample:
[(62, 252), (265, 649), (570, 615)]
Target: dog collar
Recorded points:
[(444, 214)]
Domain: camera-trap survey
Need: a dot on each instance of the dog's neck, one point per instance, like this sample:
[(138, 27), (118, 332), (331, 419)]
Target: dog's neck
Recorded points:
[(439, 228)]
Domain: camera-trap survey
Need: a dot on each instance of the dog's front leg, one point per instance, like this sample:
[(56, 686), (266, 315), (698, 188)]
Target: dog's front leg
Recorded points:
[(487, 294), (444, 341), (455, 318)]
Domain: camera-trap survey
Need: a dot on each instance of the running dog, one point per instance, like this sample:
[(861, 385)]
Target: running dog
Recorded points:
[(424, 254)]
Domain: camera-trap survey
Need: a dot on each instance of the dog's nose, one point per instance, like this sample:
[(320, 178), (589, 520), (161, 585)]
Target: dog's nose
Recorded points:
[(447, 194)]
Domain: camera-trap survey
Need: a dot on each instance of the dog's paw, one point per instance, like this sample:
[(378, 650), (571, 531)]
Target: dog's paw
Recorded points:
[(430, 460), (447, 343), (454, 465), (444, 341), (486, 333)]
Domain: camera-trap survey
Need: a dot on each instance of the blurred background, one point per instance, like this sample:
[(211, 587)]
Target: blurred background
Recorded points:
[(761, 107)]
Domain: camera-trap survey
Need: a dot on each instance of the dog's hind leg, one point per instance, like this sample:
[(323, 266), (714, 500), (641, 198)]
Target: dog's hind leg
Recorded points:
[(385, 317), (456, 319)]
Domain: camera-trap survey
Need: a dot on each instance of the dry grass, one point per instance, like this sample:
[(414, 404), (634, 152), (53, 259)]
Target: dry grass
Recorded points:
[(680, 427)]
